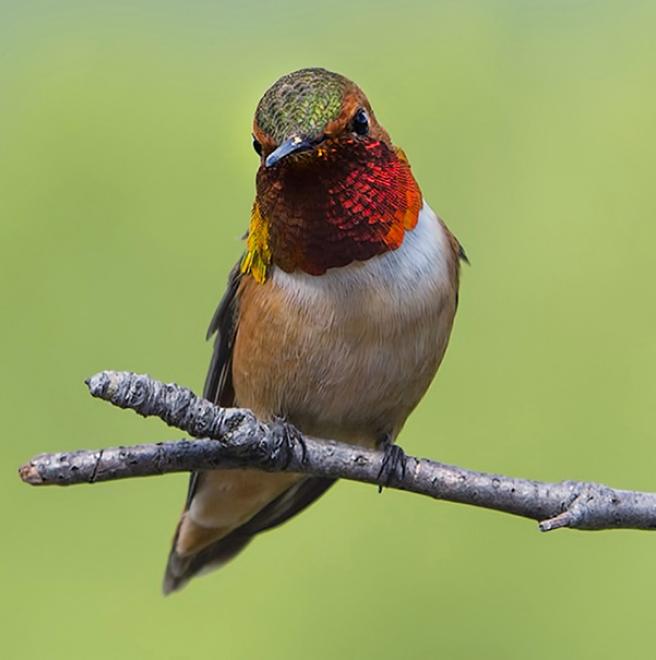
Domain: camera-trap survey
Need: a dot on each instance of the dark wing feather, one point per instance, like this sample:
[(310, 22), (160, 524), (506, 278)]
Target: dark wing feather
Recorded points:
[(218, 382), (219, 389)]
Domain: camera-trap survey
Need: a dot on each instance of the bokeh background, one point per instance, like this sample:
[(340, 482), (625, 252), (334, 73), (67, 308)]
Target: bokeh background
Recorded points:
[(126, 179)]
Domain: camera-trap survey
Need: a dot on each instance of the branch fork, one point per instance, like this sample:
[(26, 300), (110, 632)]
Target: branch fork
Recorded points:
[(233, 438)]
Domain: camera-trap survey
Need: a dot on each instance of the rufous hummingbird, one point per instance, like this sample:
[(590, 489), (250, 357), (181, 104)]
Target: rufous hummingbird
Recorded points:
[(338, 314)]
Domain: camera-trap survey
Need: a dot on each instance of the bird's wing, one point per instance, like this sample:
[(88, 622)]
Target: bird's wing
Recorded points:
[(219, 389), (218, 382)]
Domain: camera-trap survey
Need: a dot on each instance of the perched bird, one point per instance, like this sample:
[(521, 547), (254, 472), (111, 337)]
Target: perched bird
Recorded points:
[(338, 314)]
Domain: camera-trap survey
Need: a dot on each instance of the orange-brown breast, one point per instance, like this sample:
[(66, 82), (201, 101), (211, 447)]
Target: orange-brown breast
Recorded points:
[(350, 352)]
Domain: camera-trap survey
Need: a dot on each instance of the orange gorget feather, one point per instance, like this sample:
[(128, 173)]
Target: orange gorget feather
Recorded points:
[(349, 200)]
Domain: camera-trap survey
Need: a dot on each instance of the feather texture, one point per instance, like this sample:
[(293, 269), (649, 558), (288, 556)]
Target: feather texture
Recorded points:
[(346, 355)]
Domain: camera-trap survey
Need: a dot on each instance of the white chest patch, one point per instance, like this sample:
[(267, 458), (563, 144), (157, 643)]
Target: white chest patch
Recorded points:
[(412, 272)]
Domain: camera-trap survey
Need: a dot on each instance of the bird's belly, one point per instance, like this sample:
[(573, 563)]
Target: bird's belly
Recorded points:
[(348, 354), (347, 383)]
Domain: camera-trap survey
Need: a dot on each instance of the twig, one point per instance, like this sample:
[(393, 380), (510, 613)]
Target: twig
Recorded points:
[(230, 438)]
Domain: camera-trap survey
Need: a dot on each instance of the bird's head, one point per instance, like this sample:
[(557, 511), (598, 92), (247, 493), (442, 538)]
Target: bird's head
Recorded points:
[(331, 187), (309, 110)]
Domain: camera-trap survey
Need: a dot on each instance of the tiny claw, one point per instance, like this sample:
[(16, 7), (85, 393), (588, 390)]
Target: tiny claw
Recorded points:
[(286, 443), (392, 466)]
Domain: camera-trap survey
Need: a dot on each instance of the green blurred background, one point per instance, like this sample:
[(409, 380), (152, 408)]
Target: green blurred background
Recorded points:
[(126, 179)]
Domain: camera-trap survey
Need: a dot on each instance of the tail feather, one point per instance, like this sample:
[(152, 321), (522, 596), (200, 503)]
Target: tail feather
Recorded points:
[(181, 568)]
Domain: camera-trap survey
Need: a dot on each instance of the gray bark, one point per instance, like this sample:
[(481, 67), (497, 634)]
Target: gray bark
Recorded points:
[(230, 438)]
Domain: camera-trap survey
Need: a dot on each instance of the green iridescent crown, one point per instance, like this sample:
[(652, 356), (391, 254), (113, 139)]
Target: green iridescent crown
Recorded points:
[(302, 101)]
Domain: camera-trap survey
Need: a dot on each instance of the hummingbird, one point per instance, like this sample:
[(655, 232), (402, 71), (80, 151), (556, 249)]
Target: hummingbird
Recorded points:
[(336, 317)]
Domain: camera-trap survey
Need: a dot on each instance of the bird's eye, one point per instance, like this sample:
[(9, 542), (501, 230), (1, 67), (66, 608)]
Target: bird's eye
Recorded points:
[(257, 146), (360, 122)]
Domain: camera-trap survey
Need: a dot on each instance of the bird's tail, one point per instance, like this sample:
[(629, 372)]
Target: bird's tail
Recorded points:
[(181, 568)]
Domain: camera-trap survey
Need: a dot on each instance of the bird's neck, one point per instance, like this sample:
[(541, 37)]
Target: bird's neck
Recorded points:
[(348, 202)]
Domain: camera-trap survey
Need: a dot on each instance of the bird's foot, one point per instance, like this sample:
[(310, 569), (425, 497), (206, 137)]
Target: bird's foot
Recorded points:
[(393, 465), (287, 441)]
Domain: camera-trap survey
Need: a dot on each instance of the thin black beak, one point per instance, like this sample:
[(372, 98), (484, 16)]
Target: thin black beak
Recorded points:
[(292, 145)]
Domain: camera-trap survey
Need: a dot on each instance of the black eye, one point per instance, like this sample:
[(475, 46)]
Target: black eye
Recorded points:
[(257, 146), (360, 122)]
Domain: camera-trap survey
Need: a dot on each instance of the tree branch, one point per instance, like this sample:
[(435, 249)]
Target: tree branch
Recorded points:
[(230, 438)]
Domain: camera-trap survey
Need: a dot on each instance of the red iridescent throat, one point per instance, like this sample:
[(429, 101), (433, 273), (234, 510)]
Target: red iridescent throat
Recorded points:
[(349, 200)]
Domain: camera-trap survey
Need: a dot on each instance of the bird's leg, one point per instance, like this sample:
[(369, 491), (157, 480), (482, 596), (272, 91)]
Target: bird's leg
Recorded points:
[(393, 463)]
